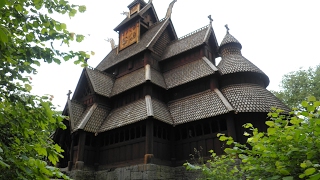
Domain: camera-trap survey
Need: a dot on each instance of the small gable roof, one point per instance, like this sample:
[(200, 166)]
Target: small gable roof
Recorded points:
[(136, 16), (151, 35), (189, 41)]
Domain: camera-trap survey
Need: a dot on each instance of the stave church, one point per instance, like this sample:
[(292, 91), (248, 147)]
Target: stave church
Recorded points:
[(156, 97)]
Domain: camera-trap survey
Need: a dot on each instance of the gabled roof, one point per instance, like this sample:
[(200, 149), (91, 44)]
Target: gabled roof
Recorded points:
[(75, 112), (135, 2), (151, 35), (198, 106), (189, 72), (136, 78), (188, 42), (251, 98), (138, 15), (136, 111), (101, 82), (90, 119)]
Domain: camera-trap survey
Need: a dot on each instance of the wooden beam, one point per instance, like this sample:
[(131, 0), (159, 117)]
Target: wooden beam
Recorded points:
[(149, 141)]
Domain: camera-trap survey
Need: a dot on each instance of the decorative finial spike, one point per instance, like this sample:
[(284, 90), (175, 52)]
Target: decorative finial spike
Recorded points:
[(111, 41), (126, 14), (227, 28), (169, 11), (69, 93), (210, 19)]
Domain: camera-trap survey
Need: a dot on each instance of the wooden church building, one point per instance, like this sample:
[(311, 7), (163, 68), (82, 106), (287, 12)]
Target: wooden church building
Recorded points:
[(155, 97)]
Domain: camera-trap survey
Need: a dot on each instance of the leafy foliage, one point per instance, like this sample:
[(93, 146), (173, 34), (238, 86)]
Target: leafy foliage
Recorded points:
[(27, 36), (290, 149), (299, 84)]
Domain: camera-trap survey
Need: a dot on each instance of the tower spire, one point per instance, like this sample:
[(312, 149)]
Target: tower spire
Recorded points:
[(169, 11)]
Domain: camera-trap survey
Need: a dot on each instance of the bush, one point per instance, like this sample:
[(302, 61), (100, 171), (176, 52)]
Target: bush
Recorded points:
[(290, 149)]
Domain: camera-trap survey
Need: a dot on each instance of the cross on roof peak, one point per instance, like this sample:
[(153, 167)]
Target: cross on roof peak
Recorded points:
[(210, 19), (69, 93)]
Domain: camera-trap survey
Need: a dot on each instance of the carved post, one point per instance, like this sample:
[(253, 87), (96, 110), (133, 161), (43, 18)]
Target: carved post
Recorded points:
[(80, 153), (149, 141)]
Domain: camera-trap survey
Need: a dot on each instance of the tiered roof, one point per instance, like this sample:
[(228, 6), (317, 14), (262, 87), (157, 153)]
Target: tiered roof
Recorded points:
[(236, 97)]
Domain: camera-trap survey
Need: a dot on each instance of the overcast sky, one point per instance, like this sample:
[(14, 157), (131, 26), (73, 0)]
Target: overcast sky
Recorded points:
[(278, 36)]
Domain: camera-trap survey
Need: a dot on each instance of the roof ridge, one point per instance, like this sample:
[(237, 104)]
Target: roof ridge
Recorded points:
[(189, 34), (193, 32)]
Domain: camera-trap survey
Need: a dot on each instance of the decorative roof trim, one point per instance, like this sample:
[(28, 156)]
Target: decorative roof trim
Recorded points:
[(224, 100), (70, 114), (87, 116), (207, 34), (160, 29), (193, 32), (206, 60), (147, 73), (169, 10), (149, 106)]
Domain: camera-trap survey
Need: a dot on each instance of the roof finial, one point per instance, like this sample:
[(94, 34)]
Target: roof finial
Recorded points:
[(169, 11), (111, 41), (210, 19), (227, 28), (69, 93), (150, 1), (125, 13)]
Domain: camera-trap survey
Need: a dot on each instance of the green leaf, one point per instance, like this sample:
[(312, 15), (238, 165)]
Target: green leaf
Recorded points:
[(3, 3), (82, 9), (304, 103), (309, 171), (303, 165), (28, 87), (18, 7), (3, 34), (63, 26), (284, 172), (72, 12), (271, 131), (270, 123), (223, 138), (288, 178), (289, 138), (315, 177), (311, 99)]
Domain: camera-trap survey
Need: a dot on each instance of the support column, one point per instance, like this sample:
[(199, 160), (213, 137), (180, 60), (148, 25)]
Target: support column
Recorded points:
[(70, 163), (149, 141), (80, 152), (231, 127)]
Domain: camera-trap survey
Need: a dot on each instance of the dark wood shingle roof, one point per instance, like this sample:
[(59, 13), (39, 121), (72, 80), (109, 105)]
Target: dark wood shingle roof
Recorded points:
[(198, 106), (187, 42), (113, 58), (101, 82), (251, 98), (187, 73)]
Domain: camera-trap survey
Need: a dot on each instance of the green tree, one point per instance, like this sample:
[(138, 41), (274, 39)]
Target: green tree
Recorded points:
[(297, 85), (27, 36), (290, 149)]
